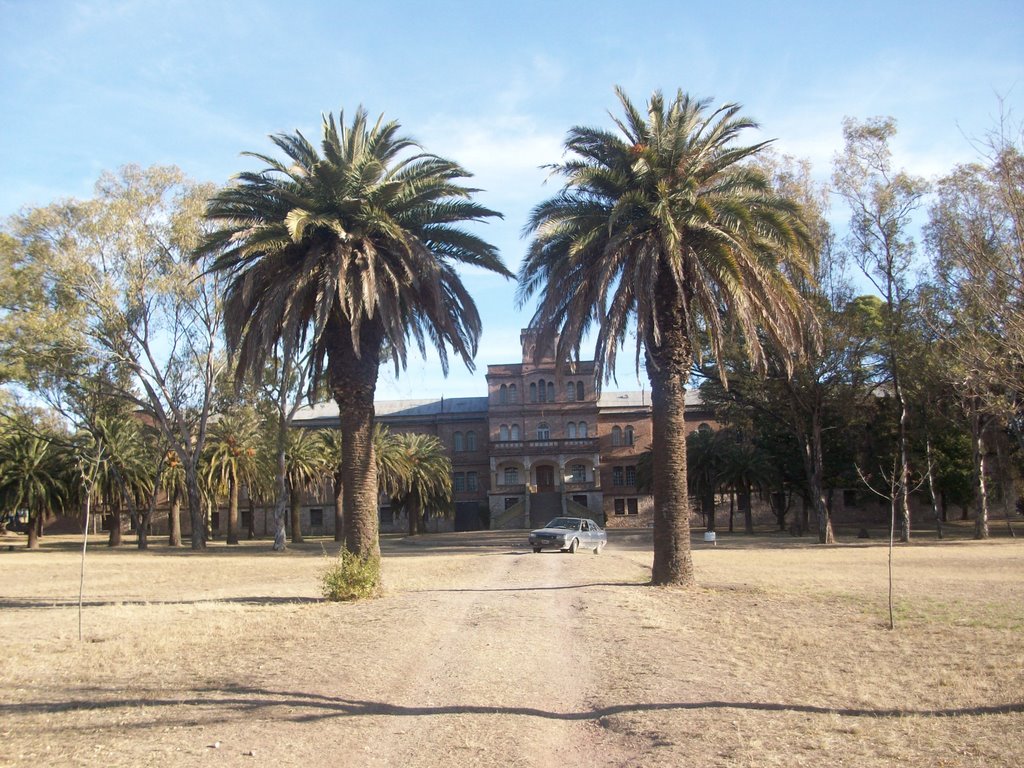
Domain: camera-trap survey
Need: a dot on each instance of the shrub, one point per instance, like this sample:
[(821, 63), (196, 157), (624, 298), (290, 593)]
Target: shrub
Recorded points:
[(351, 577)]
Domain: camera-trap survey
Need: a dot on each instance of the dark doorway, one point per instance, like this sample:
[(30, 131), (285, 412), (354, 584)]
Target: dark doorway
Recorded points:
[(545, 478)]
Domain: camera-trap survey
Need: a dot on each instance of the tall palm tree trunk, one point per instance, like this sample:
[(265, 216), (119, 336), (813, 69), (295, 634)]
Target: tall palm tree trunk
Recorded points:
[(35, 530), (353, 383), (668, 366), (339, 501)]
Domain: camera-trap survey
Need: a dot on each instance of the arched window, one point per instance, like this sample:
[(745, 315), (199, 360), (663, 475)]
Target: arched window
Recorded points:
[(503, 432), (551, 391), (457, 441), (513, 393), (471, 440), (616, 436), (570, 391), (543, 431), (503, 394), (542, 391), (533, 393), (582, 431), (629, 435), (570, 430), (579, 390), (704, 428), (515, 431)]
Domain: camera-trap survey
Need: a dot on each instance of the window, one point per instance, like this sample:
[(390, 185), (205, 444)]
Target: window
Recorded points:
[(511, 476), (631, 507), (503, 432), (511, 501), (579, 390), (617, 476), (620, 506), (533, 393), (579, 473), (543, 431), (570, 430), (616, 435), (512, 393), (471, 481), (630, 475), (503, 394), (581, 500), (515, 431), (582, 431), (457, 440), (629, 436), (551, 391), (215, 521), (542, 391), (471, 440), (570, 391), (246, 518), (316, 518), (704, 428), (459, 482)]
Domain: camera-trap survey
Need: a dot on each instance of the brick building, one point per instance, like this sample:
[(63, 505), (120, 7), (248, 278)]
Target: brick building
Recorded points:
[(540, 444)]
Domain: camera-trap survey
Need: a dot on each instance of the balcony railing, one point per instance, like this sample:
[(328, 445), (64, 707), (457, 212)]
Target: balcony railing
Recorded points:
[(544, 446)]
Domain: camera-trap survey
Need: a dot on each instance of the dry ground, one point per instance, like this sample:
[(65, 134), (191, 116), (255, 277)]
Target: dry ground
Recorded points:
[(484, 654)]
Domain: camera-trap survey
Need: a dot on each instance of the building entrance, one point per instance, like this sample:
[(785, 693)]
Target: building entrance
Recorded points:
[(545, 479)]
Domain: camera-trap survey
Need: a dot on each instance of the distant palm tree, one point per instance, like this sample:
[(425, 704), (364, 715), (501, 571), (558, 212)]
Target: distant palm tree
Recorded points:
[(232, 449), (705, 463), (746, 467), (306, 466), (32, 478), (662, 231), (353, 249), (126, 470), (429, 480)]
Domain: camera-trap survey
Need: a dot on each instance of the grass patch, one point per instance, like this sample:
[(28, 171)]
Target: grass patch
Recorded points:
[(351, 577)]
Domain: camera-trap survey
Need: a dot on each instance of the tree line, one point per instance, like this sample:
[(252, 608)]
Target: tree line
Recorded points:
[(713, 259)]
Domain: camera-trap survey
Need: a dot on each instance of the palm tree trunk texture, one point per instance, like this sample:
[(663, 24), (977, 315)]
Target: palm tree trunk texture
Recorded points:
[(35, 530), (232, 510), (114, 537), (668, 366), (295, 498), (353, 381), (174, 512), (339, 500)]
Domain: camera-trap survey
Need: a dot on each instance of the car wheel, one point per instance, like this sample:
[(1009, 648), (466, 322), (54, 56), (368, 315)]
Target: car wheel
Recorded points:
[(597, 549), (536, 550), (574, 546)]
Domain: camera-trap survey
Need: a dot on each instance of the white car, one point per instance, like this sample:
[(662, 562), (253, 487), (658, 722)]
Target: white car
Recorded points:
[(569, 534)]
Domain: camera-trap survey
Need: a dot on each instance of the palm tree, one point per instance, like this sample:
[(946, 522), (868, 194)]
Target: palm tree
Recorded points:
[(232, 448), (173, 481), (705, 462), (32, 478), (429, 483), (353, 250), (125, 472), (746, 467), (305, 469), (661, 230)]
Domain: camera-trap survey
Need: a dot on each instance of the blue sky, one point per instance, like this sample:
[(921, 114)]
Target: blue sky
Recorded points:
[(88, 86)]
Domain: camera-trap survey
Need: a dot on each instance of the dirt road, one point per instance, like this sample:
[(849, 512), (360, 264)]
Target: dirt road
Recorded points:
[(484, 654)]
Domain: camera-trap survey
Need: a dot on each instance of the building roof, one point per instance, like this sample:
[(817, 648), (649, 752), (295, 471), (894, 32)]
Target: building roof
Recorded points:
[(641, 399), (327, 412)]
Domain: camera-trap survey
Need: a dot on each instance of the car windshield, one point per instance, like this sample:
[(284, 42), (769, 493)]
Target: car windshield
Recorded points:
[(564, 522)]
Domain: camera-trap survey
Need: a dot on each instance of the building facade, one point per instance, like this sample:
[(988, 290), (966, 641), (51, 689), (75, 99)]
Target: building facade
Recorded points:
[(542, 443)]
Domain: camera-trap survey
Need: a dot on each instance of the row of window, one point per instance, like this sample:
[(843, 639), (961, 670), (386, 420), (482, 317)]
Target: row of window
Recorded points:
[(573, 431), (624, 475), (468, 444), (577, 474), (464, 481), (626, 507), (622, 436), (542, 392)]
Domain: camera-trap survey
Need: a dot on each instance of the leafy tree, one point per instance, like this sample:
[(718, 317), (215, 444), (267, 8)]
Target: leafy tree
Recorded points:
[(882, 202), (661, 230), (705, 459), (114, 307), (355, 249)]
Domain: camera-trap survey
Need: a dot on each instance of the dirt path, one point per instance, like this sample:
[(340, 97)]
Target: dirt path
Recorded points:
[(481, 653)]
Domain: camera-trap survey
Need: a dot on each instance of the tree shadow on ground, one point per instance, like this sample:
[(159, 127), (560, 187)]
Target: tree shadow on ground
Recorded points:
[(67, 602), (300, 707)]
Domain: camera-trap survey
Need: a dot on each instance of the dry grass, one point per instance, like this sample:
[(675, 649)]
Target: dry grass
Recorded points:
[(481, 653)]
